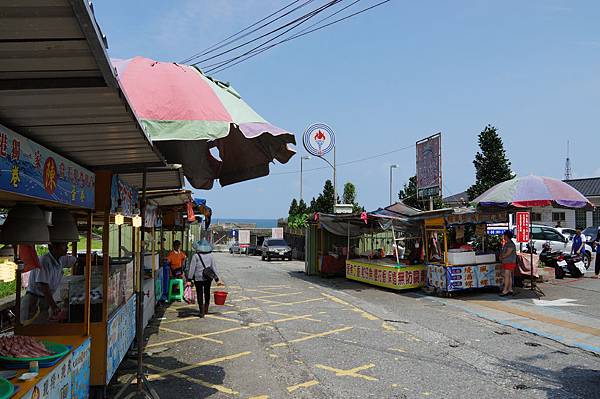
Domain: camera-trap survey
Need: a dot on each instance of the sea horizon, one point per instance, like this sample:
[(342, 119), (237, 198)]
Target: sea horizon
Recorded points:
[(259, 222)]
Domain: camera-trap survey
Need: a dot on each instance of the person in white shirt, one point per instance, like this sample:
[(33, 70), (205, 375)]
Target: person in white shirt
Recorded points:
[(203, 260), (38, 303)]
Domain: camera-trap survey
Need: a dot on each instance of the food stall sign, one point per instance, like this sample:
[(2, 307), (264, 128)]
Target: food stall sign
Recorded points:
[(31, 170), (523, 227), (123, 195), (244, 238), (318, 139), (429, 172)]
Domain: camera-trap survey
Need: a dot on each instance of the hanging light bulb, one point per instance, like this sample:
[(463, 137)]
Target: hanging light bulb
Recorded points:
[(136, 220), (119, 218)]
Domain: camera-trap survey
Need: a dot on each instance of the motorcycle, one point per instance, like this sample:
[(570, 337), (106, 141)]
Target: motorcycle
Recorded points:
[(562, 263)]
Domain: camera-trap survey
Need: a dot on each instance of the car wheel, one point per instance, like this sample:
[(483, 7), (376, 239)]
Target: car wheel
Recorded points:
[(587, 260), (263, 258), (268, 258)]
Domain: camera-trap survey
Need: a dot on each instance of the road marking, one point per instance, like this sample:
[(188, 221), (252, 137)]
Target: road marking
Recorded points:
[(196, 381), (388, 327), (259, 397), (195, 365), (216, 341), (350, 373), (312, 336), (262, 298), (397, 350), (353, 308), (306, 384), (278, 304), (289, 315), (556, 302), (533, 316), (251, 325), (272, 286)]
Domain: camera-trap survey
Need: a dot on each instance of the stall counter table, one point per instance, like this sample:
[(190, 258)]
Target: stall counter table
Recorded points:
[(458, 278), (69, 378), (386, 274)]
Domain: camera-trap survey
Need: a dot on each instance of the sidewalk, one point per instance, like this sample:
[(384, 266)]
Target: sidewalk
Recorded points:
[(567, 313)]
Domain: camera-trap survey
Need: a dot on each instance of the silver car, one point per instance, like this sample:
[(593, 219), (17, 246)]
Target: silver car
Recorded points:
[(275, 248)]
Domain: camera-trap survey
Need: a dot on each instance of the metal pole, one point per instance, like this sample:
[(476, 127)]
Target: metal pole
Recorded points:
[(334, 182), (391, 168), (140, 295), (301, 161)]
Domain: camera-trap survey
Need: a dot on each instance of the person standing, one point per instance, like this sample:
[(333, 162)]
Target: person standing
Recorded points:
[(597, 264), (578, 247), (176, 259), (508, 257), (38, 304), (203, 270)]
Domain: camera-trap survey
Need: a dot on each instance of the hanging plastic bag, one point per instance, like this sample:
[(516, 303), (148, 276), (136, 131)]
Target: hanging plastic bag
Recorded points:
[(189, 295)]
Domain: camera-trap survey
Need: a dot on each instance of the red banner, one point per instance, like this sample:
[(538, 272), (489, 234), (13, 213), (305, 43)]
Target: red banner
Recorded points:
[(191, 217), (523, 227)]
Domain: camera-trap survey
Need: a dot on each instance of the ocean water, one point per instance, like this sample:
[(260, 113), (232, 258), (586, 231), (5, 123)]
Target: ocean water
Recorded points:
[(260, 223)]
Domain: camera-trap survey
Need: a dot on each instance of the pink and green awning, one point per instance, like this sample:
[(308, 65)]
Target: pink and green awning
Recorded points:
[(186, 113)]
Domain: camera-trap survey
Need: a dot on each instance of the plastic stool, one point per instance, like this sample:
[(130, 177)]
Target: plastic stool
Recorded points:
[(176, 297)]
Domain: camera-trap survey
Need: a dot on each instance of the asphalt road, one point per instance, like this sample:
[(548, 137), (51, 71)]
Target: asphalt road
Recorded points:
[(286, 335)]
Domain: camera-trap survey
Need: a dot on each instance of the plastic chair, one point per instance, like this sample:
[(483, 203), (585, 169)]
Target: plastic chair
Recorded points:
[(176, 282)]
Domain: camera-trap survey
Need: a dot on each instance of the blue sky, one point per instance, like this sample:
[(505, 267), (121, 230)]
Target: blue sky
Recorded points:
[(392, 76)]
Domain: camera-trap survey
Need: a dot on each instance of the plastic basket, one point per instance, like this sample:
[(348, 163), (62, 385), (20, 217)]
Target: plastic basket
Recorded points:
[(59, 350), (6, 388)]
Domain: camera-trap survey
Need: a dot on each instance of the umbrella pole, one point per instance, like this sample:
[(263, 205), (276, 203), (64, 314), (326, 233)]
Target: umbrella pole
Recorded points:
[(534, 288)]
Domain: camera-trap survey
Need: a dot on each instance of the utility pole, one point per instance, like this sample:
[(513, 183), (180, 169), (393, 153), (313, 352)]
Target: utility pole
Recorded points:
[(392, 167), (304, 158), (568, 164)]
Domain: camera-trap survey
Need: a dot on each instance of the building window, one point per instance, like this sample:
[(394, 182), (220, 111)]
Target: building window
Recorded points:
[(580, 218), (596, 217), (558, 217), (536, 217)]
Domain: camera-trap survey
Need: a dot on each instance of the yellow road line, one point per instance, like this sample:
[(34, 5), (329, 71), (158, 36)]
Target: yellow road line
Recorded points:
[(276, 305), (350, 373), (272, 295), (251, 325), (535, 316), (289, 315), (323, 334), (242, 310), (306, 384), (397, 350), (272, 286), (196, 381), (260, 397), (216, 341), (199, 364), (353, 308)]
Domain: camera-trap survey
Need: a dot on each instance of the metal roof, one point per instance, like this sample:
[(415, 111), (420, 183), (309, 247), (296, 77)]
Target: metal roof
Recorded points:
[(159, 179), (58, 88), (170, 198), (588, 187)]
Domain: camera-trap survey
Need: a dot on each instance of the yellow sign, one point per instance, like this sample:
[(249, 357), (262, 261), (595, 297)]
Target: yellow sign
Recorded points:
[(398, 278)]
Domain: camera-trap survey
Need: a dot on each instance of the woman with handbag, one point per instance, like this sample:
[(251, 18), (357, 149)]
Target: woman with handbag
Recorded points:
[(202, 272)]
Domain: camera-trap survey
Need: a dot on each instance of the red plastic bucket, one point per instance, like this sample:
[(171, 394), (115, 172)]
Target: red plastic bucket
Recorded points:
[(220, 297)]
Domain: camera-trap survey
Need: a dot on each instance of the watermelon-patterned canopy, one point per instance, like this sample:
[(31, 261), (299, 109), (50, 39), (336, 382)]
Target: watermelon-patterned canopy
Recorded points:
[(533, 191), (186, 113)]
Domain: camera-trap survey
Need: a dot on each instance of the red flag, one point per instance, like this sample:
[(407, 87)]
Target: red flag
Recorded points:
[(363, 216), (28, 255), (191, 217)]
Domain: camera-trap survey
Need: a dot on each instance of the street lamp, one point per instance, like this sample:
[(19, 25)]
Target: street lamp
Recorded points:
[(304, 158), (392, 167)]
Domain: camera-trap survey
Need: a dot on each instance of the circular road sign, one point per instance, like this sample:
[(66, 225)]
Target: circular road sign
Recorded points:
[(319, 139)]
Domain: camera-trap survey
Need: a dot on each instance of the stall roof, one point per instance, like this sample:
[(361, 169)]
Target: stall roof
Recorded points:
[(169, 198), (58, 87), (156, 179)]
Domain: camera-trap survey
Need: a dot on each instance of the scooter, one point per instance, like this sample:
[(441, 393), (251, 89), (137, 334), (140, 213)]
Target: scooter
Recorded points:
[(563, 264)]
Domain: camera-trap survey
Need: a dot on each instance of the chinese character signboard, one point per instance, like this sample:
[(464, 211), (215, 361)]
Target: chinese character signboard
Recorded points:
[(121, 332), (399, 278), (429, 174), (27, 168), (523, 227)]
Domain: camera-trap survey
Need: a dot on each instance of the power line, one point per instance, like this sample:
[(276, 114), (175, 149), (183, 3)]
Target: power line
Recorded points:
[(302, 18), (261, 50), (227, 41), (232, 63), (348, 162)]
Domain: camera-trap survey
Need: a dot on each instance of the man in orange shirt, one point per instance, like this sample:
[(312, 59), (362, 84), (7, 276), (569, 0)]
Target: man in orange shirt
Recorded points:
[(176, 259)]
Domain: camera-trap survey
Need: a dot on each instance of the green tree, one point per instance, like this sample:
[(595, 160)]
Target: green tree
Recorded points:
[(313, 205), (325, 201), (293, 208), (349, 197), (408, 195), (302, 207), (491, 165)]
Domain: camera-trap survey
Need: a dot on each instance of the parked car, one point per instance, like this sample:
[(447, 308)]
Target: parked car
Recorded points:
[(235, 248), (567, 232), (590, 233), (558, 242), (251, 250), (275, 248)]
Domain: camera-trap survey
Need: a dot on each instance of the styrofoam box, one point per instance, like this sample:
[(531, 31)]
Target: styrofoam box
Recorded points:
[(489, 258), (461, 258)]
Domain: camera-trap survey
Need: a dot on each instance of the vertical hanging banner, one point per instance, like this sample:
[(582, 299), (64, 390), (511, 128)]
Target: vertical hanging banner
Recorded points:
[(123, 195), (277, 232), (429, 171), (27, 168), (523, 227), (244, 238)]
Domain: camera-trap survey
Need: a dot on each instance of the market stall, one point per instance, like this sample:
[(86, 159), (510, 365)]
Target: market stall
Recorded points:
[(381, 248), (49, 200), (459, 253)]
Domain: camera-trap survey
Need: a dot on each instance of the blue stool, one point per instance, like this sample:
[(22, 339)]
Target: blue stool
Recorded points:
[(178, 283)]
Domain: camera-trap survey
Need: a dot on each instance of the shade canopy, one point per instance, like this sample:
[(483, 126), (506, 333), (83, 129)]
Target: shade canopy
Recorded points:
[(186, 114), (533, 191)]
